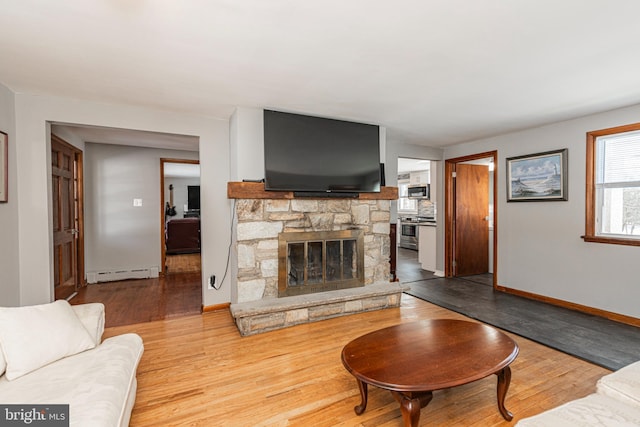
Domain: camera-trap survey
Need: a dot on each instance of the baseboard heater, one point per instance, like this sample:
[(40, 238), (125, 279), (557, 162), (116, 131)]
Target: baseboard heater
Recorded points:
[(113, 275)]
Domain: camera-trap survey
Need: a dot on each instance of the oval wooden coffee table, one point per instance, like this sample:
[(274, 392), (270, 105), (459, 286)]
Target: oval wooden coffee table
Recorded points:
[(414, 359)]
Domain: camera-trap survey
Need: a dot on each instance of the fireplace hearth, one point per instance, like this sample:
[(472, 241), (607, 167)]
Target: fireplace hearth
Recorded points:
[(320, 261)]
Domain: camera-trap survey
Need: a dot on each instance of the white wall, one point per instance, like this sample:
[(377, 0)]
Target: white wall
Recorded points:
[(180, 192), (539, 246), (246, 161), (32, 113), (247, 144), (9, 271), (119, 235)]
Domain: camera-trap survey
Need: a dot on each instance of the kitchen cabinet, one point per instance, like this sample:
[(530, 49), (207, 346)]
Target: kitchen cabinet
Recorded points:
[(427, 247), (419, 178)]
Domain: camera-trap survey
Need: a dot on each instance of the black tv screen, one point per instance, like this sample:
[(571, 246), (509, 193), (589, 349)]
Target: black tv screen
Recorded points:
[(193, 197), (306, 153)]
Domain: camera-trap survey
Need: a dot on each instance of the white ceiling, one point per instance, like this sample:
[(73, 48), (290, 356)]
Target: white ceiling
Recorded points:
[(434, 72)]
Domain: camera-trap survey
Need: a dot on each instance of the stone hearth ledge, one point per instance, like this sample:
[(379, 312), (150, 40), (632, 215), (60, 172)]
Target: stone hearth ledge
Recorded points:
[(254, 317)]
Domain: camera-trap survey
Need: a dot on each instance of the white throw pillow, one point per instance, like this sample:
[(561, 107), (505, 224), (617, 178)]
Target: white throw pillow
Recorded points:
[(37, 335), (3, 363), (91, 315)]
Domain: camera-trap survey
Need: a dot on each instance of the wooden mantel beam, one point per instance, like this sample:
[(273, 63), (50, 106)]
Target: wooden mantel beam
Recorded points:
[(255, 190)]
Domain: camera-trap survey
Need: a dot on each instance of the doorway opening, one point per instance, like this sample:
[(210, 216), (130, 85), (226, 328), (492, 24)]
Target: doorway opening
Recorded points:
[(417, 226), (470, 216), (121, 255), (180, 212)]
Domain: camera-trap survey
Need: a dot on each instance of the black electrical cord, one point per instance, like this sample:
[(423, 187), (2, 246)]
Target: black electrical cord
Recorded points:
[(226, 269)]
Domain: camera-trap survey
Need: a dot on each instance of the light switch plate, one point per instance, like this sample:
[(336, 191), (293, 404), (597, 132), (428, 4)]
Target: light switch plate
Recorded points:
[(137, 202)]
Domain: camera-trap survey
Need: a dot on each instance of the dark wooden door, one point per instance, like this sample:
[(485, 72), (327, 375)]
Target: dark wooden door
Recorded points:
[(65, 218), (471, 247), (393, 261)]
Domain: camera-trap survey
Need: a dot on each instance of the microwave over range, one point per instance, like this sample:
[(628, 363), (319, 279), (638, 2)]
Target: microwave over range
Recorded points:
[(419, 191)]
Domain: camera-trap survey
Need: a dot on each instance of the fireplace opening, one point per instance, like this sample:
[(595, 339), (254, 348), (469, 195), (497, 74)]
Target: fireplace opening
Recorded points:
[(310, 262)]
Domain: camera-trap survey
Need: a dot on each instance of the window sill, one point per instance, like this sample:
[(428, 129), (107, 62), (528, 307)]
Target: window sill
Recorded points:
[(611, 240)]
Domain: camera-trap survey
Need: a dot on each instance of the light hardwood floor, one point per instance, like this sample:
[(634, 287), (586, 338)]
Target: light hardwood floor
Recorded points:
[(198, 371)]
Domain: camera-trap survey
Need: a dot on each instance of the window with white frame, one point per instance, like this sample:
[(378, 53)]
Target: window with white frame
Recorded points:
[(405, 204), (613, 185)]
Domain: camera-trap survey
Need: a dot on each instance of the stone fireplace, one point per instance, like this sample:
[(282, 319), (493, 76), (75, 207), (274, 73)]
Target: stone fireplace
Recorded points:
[(301, 260)]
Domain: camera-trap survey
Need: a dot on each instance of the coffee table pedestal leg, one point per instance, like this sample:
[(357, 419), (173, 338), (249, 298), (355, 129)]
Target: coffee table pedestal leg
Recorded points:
[(504, 379), (410, 405)]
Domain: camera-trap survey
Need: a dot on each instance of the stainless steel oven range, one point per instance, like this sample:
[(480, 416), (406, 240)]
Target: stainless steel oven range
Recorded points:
[(410, 232), (408, 235)]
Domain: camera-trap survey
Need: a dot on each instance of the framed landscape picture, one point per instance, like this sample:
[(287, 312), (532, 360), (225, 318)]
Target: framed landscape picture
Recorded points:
[(537, 177), (4, 164)]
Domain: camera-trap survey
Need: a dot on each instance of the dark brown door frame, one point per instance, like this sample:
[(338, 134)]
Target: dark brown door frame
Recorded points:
[(449, 210), (163, 248)]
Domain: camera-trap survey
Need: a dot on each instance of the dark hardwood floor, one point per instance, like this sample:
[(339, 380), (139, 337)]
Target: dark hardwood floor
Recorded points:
[(408, 268), (183, 263), (143, 300), (179, 292)]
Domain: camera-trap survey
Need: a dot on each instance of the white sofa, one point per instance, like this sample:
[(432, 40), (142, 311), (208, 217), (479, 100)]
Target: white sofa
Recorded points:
[(616, 403), (54, 354)]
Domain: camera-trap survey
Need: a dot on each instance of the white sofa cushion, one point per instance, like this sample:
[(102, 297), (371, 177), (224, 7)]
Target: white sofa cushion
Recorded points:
[(623, 384), (34, 336), (99, 385), (3, 363), (593, 410)]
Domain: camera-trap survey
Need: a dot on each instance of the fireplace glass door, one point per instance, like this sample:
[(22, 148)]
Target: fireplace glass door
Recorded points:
[(326, 261)]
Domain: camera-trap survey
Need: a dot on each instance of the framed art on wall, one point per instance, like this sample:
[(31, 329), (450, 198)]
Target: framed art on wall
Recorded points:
[(537, 177), (4, 164)]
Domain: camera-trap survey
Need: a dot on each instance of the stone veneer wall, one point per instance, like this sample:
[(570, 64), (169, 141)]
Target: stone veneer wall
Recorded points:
[(260, 220)]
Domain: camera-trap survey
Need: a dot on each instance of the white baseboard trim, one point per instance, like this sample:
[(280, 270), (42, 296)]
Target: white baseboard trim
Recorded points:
[(113, 275)]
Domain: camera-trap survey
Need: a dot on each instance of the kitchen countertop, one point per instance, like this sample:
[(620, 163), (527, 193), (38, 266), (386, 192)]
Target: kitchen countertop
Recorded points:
[(421, 220)]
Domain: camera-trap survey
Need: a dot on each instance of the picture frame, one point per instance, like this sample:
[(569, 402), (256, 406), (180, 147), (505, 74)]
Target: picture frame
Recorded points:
[(539, 177), (4, 167)]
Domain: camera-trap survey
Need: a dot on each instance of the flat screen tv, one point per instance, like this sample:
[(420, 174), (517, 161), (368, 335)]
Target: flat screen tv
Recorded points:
[(314, 154), (193, 197)]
